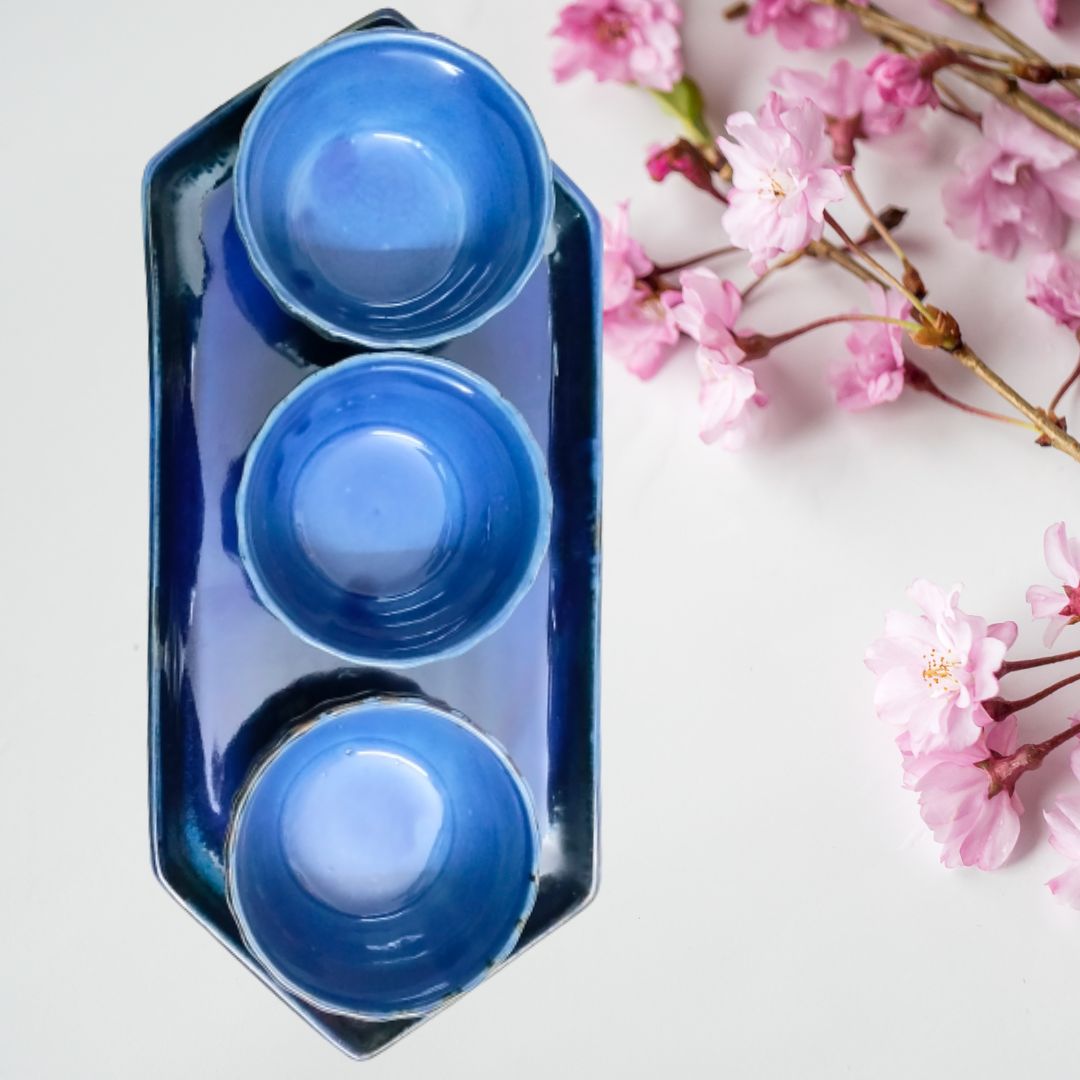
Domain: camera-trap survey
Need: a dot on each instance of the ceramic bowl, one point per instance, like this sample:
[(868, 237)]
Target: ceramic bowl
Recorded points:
[(392, 189), (393, 509), (382, 859)]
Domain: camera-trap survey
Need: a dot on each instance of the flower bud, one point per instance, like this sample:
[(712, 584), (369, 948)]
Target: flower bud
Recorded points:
[(683, 157)]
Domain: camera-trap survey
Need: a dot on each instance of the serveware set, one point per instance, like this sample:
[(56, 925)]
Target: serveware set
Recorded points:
[(374, 317)]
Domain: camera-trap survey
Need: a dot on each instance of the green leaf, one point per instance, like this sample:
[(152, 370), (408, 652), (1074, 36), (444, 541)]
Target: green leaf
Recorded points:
[(684, 100)]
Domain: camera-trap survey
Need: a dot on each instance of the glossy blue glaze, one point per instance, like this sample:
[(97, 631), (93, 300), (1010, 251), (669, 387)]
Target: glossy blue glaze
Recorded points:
[(227, 680), (394, 509), (392, 189), (383, 858)]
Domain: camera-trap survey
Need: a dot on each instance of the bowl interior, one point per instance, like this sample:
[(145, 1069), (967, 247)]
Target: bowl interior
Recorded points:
[(392, 188), (383, 858), (393, 509)]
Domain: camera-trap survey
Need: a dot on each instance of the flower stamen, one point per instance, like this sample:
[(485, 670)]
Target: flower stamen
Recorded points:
[(938, 671)]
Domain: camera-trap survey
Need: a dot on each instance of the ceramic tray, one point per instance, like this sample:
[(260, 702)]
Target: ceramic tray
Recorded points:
[(226, 678)]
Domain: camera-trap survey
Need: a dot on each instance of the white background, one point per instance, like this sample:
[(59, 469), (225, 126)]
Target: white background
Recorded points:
[(770, 904)]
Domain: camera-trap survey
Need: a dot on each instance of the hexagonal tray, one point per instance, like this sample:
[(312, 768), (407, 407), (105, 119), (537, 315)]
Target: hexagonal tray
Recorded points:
[(226, 678)]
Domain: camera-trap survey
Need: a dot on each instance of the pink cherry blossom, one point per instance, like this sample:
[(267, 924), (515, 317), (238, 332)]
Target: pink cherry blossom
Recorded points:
[(1064, 821), (934, 669), (1018, 185), (900, 81), (781, 178), (1053, 284), (1048, 12), (876, 372), (624, 260), (973, 827), (730, 401), (641, 333), (708, 312), (799, 24), (1060, 606), (850, 100), (628, 41)]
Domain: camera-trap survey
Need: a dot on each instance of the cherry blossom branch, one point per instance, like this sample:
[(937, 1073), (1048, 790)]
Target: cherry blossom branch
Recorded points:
[(966, 48), (682, 264), (1008, 93), (822, 249), (1063, 389), (999, 708), (976, 11), (1049, 431), (940, 331), (912, 279), (875, 221), (952, 102), (886, 25), (859, 252), (758, 345), (1005, 771), (1038, 661), (919, 379), (1004, 87)]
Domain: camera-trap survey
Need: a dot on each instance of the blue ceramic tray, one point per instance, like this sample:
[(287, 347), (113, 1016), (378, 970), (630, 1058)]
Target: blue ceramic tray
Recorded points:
[(226, 678)]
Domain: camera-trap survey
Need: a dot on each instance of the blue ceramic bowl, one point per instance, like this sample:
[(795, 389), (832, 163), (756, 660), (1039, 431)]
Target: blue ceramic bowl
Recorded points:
[(392, 189), (393, 509), (382, 859)]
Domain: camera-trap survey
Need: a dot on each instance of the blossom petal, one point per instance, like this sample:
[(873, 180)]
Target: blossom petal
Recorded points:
[(1059, 555), (1064, 821), (1066, 887)]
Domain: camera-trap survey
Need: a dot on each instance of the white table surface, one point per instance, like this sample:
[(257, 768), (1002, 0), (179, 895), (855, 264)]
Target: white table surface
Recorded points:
[(771, 905)]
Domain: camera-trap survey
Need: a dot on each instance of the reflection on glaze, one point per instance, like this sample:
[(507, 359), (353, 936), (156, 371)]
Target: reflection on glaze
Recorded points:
[(359, 828), (390, 515)]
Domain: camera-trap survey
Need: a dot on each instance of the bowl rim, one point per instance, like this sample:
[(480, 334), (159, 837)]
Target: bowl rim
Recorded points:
[(422, 365), (370, 39), (327, 714)]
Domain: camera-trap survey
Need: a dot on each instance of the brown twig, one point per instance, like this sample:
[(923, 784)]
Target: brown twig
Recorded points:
[(861, 253), (919, 379), (952, 102), (758, 345), (976, 11), (999, 708), (823, 249), (1008, 92), (1062, 389), (1040, 418), (912, 279), (1039, 661), (682, 264), (1004, 87)]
